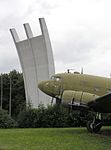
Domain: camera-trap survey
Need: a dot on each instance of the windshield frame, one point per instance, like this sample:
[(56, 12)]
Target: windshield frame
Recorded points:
[(55, 78)]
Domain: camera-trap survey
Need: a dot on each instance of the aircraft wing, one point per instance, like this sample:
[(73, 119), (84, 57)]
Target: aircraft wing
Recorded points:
[(101, 104)]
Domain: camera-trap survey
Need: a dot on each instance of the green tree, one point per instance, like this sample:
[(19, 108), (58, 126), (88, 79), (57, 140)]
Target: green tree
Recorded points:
[(18, 102), (6, 121)]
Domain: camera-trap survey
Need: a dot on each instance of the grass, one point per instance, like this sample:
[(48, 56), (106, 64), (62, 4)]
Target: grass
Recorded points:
[(54, 139)]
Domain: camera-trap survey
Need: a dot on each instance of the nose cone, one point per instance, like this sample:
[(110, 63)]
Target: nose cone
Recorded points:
[(45, 86), (41, 85)]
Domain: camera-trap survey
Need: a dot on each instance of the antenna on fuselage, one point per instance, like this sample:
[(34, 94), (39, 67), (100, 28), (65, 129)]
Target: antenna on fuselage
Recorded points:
[(82, 70), (68, 70)]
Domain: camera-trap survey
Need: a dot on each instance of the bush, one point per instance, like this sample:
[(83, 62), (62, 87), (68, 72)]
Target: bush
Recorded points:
[(6, 121), (52, 116), (56, 116)]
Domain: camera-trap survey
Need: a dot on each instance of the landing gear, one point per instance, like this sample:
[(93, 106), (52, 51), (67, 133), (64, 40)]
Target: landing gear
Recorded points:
[(94, 126), (58, 101)]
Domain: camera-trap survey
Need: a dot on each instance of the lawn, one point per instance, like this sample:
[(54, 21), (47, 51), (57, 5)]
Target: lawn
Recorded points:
[(54, 139)]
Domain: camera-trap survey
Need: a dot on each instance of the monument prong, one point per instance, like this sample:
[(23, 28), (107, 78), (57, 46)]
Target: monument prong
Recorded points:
[(28, 30), (14, 35), (42, 25)]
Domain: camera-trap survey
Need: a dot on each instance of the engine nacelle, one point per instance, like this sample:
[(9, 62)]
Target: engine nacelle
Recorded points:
[(70, 96)]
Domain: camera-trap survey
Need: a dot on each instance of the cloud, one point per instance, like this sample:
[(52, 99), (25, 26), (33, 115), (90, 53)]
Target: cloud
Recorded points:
[(80, 32)]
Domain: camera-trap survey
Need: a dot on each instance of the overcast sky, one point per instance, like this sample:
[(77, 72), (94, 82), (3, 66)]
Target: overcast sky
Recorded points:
[(80, 32)]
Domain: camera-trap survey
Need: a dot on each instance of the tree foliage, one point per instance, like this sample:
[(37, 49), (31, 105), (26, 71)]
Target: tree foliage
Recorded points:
[(17, 92), (42, 117), (6, 121), (52, 116)]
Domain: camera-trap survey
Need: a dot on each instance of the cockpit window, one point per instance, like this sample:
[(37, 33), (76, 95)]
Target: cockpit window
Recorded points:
[(55, 78), (52, 78)]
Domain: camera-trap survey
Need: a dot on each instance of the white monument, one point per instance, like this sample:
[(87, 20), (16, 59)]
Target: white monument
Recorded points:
[(36, 58)]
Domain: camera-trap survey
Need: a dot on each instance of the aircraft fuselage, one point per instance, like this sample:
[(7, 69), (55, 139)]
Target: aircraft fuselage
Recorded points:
[(76, 82), (81, 92)]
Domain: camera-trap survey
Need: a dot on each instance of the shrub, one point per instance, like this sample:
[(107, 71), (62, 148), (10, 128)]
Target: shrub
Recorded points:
[(6, 121), (56, 116), (52, 116)]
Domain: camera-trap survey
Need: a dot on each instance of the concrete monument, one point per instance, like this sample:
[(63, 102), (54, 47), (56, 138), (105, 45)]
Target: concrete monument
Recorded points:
[(37, 63)]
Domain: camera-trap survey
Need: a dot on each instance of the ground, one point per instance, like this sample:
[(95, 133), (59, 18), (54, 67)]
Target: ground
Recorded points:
[(54, 139)]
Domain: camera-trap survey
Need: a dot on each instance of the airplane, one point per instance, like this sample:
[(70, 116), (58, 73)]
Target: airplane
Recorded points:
[(81, 92)]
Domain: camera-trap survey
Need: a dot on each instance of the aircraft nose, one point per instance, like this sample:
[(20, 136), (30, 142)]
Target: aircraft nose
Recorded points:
[(41, 85), (46, 87)]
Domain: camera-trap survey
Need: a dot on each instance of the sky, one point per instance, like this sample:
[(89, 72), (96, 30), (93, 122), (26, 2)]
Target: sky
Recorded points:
[(80, 33)]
